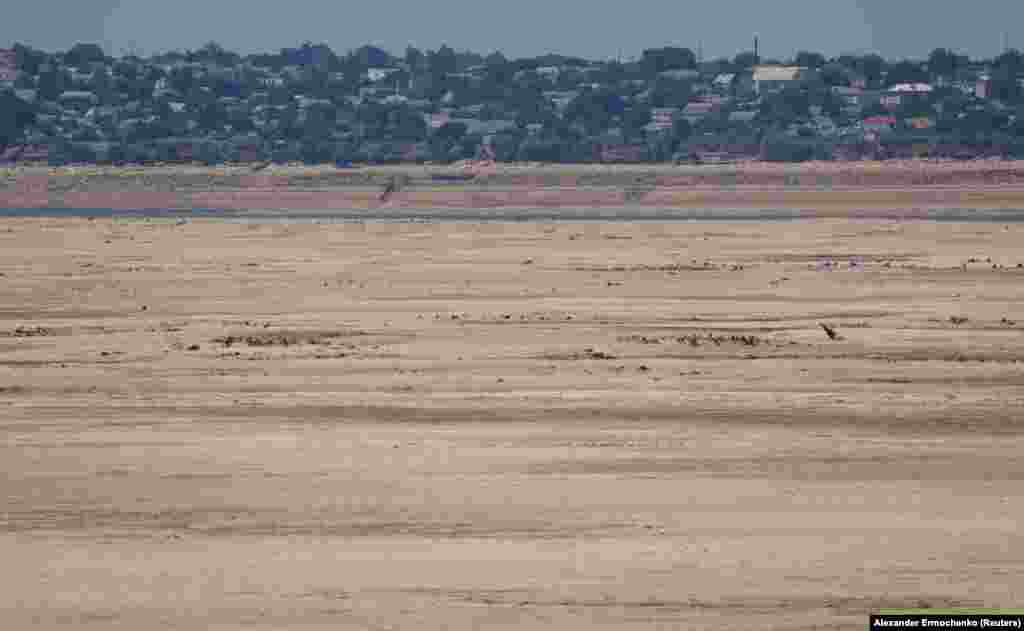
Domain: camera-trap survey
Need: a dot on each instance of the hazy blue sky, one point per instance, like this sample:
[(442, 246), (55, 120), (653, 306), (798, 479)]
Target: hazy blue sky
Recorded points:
[(588, 28)]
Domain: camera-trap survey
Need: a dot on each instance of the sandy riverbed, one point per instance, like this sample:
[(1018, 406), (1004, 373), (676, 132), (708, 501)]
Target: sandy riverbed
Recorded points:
[(249, 426)]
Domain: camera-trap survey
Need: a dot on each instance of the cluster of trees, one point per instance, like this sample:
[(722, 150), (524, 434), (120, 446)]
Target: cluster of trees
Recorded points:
[(15, 116), (501, 89)]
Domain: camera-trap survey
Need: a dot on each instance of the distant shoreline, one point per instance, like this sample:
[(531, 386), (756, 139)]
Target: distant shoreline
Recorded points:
[(870, 189)]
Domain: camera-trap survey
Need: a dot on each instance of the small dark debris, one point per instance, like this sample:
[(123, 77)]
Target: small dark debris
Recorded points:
[(38, 331), (193, 347), (957, 320), (830, 332)]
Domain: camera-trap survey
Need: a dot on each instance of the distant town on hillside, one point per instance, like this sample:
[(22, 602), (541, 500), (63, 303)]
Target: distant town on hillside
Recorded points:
[(310, 104)]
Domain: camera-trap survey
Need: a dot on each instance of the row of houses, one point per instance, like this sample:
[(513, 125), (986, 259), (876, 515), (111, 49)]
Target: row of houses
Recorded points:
[(83, 116)]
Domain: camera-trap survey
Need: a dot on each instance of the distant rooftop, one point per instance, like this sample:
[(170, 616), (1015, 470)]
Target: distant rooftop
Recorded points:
[(777, 73)]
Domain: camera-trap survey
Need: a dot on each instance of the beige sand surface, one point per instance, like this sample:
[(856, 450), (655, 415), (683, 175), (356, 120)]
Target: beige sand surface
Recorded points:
[(507, 426)]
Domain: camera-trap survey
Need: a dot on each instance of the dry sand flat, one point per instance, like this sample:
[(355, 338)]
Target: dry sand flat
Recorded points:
[(507, 426)]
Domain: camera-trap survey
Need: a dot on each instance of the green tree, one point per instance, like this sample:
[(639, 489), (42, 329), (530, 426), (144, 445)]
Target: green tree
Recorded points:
[(443, 61), (744, 60), (15, 116), (670, 93), (785, 150), (871, 67), (414, 59), (316, 151), (681, 129), (906, 72), (408, 125), (785, 108), (1006, 69), (834, 75), (52, 82), (369, 57), (466, 59), (506, 146), (240, 120), (102, 85), (182, 80), (543, 150), (451, 131), (595, 110), (634, 119), (83, 54), (809, 59), (1017, 127), (943, 62), (212, 117), (668, 58), (28, 60), (213, 52), (495, 59)]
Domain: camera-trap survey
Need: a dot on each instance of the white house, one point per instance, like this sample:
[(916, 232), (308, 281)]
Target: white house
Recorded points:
[(551, 72), (681, 74), (377, 74), (723, 81), (773, 78), (900, 93)]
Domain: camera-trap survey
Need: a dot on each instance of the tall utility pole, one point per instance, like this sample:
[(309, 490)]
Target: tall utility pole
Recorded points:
[(757, 51)]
